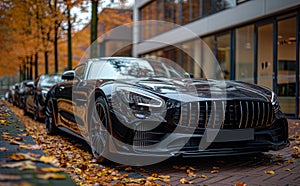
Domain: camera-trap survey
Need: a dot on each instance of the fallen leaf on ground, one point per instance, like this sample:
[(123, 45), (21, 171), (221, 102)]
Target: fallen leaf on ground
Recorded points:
[(295, 155), (2, 115), (30, 147), (4, 122), (128, 168), (51, 176), (49, 159), (3, 149), (34, 155), (240, 184), (287, 169), (190, 173), (16, 157), (269, 172), (155, 177), (50, 169), (5, 177), (296, 148), (214, 171), (279, 156), (14, 142), (184, 181), (203, 176), (22, 156), (25, 134), (192, 168), (179, 167), (290, 161), (279, 163), (21, 165), (134, 180)]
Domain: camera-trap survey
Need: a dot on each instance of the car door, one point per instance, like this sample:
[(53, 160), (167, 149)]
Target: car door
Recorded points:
[(29, 98), (69, 100)]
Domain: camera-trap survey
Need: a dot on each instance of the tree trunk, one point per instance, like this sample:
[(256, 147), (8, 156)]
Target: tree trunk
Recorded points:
[(24, 69), (46, 61), (69, 38), (30, 63), (94, 28), (56, 26), (21, 74), (36, 69)]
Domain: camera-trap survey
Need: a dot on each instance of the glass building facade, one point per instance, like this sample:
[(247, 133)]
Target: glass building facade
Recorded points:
[(255, 41)]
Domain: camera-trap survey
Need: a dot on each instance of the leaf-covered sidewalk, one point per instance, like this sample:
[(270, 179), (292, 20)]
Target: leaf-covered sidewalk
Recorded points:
[(73, 156), (22, 160)]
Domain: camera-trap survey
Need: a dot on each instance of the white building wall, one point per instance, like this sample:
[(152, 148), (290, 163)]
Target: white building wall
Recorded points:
[(248, 11)]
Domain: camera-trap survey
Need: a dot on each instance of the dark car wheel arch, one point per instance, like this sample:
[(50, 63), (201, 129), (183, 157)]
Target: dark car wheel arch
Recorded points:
[(51, 127), (101, 105)]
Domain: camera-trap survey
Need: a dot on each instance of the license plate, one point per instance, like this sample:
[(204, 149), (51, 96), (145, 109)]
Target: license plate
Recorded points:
[(223, 135)]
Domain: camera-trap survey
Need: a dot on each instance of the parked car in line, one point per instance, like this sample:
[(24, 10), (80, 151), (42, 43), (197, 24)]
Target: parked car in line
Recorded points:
[(128, 96), (14, 95), (10, 94), (36, 95), (23, 88)]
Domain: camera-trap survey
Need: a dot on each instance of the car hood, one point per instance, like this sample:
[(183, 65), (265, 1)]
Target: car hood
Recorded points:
[(190, 90)]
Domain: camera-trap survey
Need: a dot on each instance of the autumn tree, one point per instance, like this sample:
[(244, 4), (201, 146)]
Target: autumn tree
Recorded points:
[(94, 27)]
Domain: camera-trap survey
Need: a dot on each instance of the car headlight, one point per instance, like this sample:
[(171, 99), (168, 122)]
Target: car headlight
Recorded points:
[(274, 101), (141, 103)]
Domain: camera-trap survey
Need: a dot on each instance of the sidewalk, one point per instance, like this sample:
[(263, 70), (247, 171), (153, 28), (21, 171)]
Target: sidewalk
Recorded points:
[(272, 168), (22, 161)]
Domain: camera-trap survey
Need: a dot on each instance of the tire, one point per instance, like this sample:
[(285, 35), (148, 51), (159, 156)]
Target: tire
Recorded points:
[(51, 128), (25, 112), (98, 133), (36, 111)]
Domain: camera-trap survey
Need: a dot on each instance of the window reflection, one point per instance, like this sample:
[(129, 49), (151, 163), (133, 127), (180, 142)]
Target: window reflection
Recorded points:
[(179, 12), (286, 64), (244, 54), (185, 11), (131, 69), (223, 55)]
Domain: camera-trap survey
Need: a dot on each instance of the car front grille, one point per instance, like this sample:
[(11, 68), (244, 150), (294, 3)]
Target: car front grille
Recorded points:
[(232, 114)]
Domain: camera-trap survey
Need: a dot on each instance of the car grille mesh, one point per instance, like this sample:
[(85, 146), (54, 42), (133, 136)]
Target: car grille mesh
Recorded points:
[(232, 114)]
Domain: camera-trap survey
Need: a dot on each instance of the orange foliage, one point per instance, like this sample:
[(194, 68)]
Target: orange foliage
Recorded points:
[(27, 27)]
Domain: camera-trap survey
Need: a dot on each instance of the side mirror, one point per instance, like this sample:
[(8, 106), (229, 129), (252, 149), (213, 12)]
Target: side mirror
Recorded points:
[(68, 75), (188, 75)]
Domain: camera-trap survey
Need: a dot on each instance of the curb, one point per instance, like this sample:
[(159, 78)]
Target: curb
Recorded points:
[(26, 167)]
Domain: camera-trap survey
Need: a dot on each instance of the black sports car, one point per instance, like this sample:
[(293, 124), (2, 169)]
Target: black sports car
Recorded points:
[(24, 87), (36, 95), (133, 107)]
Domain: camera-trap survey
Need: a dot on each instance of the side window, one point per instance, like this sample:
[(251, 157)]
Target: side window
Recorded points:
[(80, 71)]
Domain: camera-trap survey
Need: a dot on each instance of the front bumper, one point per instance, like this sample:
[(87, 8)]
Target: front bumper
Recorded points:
[(158, 144)]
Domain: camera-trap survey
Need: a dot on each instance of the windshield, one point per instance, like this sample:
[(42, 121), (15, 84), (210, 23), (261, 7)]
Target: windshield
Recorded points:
[(132, 68), (49, 80)]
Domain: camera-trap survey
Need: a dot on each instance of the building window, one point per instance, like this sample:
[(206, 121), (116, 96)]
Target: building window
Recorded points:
[(185, 11), (191, 57), (207, 58), (179, 12), (286, 64), (145, 16), (223, 55), (244, 55), (207, 8), (265, 60), (196, 9)]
